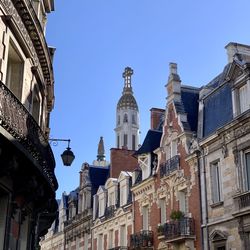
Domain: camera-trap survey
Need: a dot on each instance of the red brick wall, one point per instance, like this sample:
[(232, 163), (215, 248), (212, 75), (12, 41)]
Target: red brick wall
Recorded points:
[(138, 218), (129, 232), (105, 242), (121, 160), (155, 116)]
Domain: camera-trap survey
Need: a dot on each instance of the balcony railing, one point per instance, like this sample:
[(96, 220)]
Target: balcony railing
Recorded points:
[(18, 122), (141, 239), (169, 166), (179, 229), (244, 200), (109, 211)]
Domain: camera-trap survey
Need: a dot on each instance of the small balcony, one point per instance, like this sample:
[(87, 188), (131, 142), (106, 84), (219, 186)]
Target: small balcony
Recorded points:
[(172, 164), (242, 204), (142, 240), (178, 230), (109, 212)]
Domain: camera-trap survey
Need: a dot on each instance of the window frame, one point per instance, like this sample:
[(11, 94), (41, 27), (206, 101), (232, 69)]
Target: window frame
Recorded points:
[(216, 183)]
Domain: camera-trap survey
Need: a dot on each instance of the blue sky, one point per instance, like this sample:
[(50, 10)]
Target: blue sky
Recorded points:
[(96, 39)]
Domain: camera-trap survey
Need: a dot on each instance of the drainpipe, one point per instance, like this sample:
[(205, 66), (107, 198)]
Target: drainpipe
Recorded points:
[(205, 200), (198, 155)]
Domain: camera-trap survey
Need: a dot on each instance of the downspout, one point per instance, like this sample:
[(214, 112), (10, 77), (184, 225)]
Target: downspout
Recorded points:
[(198, 155), (205, 200)]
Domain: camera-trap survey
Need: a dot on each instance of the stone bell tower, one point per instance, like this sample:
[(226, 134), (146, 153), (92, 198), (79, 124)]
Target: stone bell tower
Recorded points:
[(127, 116)]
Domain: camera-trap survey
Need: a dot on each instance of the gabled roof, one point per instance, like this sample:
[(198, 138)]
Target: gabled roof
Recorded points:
[(124, 175), (151, 142)]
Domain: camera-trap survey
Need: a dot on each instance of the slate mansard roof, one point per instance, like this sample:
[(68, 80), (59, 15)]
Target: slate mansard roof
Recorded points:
[(189, 105), (218, 106), (151, 142), (98, 176)]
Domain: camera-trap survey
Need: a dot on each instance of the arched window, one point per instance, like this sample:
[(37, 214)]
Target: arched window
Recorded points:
[(118, 120), (133, 119), (125, 118)]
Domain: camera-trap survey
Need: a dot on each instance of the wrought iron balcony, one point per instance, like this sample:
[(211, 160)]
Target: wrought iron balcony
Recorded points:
[(18, 122), (179, 229), (109, 212), (244, 200), (242, 203), (141, 239), (169, 166)]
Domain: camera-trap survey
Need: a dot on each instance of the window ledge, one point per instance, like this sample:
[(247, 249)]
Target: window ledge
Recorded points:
[(217, 204)]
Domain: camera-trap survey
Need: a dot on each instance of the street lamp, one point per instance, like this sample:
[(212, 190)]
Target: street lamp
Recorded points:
[(67, 156)]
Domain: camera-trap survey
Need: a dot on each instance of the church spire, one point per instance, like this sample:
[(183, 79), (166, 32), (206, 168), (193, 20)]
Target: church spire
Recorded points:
[(100, 159), (101, 151), (128, 72)]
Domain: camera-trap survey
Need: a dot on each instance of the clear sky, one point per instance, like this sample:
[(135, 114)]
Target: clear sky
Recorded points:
[(96, 39)]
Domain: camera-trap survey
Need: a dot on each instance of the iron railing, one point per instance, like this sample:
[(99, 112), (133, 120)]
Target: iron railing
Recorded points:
[(17, 121), (244, 200), (109, 211), (141, 239), (169, 166), (179, 228)]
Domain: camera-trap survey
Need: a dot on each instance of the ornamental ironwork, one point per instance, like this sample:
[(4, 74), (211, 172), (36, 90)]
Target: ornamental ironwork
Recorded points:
[(110, 211), (141, 239), (18, 122), (169, 166), (183, 227)]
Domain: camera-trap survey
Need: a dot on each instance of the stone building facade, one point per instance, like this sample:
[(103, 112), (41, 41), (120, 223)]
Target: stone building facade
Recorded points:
[(27, 180), (224, 143)]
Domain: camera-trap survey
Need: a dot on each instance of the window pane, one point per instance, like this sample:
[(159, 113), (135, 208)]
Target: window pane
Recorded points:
[(215, 183), (247, 159), (243, 98)]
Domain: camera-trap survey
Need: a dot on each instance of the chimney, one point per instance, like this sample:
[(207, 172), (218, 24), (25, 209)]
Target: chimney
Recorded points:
[(234, 49), (174, 84), (155, 117)]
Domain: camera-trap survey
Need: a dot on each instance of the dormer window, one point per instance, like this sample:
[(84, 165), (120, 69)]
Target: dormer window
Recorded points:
[(243, 98), (123, 195), (171, 149), (145, 165), (111, 198), (101, 206)]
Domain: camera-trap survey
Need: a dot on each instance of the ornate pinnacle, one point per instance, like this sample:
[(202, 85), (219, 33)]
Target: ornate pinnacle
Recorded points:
[(128, 72), (101, 152)]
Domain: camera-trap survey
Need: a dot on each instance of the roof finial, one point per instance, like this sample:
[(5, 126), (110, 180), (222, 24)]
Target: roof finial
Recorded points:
[(128, 72), (101, 152)]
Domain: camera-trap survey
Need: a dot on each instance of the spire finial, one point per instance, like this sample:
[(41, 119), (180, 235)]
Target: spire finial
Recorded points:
[(101, 151), (128, 72)]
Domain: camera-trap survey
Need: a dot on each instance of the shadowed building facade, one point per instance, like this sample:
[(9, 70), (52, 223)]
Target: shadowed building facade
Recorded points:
[(27, 179)]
